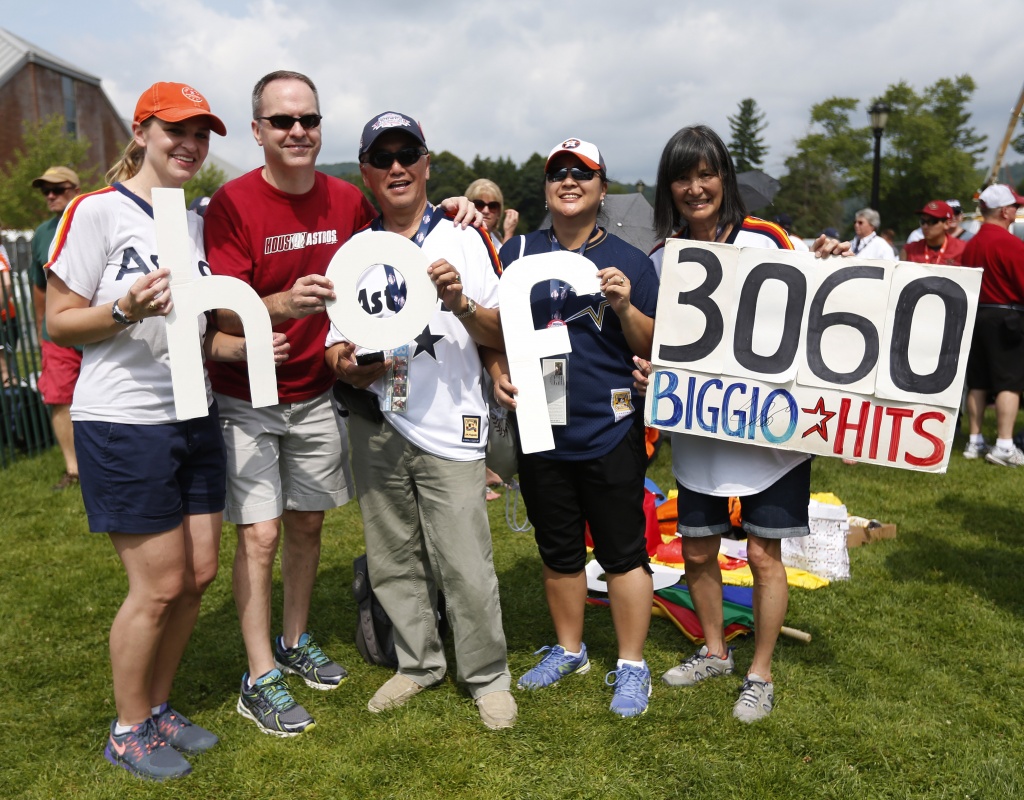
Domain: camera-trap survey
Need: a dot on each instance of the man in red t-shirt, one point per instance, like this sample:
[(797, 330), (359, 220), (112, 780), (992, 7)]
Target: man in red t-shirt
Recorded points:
[(996, 362), (277, 228), (936, 247)]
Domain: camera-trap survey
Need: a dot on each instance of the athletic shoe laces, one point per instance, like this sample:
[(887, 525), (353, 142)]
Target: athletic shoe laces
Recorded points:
[(313, 652), (277, 694), (627, 680)]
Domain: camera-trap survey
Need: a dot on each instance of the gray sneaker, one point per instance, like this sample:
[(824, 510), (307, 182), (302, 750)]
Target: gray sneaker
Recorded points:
[(270, 705), (973, 451), (756, 699), (309, 662), (699, 666), (1005, 458)]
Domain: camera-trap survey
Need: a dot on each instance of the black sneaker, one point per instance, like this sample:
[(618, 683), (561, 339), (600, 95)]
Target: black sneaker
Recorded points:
[(270, 705), (143, 752), (309, 662)]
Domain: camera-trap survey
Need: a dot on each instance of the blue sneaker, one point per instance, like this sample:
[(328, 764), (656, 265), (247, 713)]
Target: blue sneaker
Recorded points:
[(271, 706), (182, 734), (632, 689), (143, 752), (554, 666), (309, 662)]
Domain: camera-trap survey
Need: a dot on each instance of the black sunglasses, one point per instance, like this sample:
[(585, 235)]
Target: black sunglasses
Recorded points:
[(57, 190), (577, 174), (407, 156), (492, 206), (283, 122), (930, 221)]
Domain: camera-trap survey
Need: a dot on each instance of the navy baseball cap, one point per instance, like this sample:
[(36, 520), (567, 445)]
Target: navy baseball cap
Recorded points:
[(389, 121)]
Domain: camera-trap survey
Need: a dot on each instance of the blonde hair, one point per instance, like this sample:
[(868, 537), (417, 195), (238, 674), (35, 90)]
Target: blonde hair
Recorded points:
[(130, 162), (483, 186)]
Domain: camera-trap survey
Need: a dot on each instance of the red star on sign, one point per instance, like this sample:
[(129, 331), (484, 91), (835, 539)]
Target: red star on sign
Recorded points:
[(820, 428)]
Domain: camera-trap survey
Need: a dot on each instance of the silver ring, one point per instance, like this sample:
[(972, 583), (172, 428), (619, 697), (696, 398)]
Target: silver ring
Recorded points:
[(458, 278)]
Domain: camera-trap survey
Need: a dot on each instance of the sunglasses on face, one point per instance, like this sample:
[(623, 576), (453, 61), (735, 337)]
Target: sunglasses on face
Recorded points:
[(926, 221), (56, 190), (407, 156), (577, 174), (283, 122), (492, 206)]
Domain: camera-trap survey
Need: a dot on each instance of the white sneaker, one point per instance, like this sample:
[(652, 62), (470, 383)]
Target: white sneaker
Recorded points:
[(972, 450), (1005, 458)]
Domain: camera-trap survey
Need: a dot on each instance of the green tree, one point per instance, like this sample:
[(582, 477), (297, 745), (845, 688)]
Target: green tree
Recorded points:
[(208, 180), (45, 144), (929, 151), (449, 176), (747, 145)]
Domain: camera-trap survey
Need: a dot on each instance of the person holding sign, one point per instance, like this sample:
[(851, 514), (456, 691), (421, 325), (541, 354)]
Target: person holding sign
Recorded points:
[(697, 197), (595, 473), (418, 442), (154, 484)]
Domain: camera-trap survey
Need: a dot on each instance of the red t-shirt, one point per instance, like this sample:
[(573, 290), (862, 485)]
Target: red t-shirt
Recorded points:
[(1001, 255), (270, 239), (949, 254)]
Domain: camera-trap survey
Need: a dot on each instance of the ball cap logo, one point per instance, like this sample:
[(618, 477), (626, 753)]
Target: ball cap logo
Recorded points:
[(391, 121), (192, 95), (570, 144)]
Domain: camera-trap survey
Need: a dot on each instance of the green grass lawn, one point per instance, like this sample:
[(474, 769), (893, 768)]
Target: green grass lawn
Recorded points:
[(910, 688)]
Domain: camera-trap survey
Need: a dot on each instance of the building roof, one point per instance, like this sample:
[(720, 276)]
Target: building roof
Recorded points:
[(15, 52)]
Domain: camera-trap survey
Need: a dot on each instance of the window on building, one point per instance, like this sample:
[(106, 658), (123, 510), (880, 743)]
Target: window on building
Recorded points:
[(67, 86)]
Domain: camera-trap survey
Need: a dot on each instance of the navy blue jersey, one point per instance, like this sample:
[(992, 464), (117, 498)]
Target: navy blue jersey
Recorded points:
[(602, 403)]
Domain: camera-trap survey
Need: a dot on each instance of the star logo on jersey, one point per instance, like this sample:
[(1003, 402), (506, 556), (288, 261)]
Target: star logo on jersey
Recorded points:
[(596, 314), (425, 343), (821, 428)]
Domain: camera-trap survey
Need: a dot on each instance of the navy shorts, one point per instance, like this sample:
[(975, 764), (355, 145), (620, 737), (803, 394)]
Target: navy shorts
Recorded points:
[(562, 497), (146, 478), (778, 512)]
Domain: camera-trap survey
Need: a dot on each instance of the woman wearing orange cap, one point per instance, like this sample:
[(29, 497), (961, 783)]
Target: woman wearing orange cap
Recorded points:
[(154, 484)]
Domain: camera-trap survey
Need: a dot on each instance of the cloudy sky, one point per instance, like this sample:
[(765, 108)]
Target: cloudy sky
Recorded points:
[(509, 79)]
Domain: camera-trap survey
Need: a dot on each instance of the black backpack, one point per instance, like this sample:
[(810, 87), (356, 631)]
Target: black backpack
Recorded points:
[(375, 635)]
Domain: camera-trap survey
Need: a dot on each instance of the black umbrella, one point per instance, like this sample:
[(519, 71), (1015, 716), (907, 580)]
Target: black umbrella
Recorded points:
[(757, 188)]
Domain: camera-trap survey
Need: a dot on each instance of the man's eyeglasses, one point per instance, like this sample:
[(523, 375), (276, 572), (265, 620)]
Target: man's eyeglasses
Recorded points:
[(577, 174), (407, 156), (926, 221), (492, 206), (55, 190), (283, 122)]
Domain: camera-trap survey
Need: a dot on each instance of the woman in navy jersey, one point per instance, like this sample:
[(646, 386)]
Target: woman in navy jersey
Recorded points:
[(697, 197), (595, 473), (153, 483)]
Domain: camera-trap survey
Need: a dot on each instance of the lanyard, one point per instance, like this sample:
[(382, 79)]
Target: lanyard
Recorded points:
[(938, 256), (421, 232)]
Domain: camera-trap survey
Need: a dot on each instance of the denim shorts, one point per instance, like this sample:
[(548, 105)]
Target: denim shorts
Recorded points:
[(146, 478), (778, 512)]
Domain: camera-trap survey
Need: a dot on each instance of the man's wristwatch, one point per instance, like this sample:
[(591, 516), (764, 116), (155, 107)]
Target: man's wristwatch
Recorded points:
[(118, 315), (470, 309)]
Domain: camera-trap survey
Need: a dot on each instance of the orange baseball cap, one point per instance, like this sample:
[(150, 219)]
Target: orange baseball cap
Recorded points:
[(174, 102)]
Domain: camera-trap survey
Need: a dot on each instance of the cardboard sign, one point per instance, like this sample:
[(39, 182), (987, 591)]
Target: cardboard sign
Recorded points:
[(854, 358), (196, 295), (525, 347)]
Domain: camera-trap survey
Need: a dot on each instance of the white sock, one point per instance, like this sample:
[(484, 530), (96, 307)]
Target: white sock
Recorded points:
[(121, 730), (573, 655), (977, 438), (623, 662), (1004, 444)]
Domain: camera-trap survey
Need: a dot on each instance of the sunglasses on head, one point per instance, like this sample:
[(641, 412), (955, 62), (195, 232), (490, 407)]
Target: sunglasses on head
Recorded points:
[(492, 206), (577, 173), (407, 156), (283, 122)]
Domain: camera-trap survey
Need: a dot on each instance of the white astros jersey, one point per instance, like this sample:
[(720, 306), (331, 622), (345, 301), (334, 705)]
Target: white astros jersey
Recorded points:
[(105, 242)]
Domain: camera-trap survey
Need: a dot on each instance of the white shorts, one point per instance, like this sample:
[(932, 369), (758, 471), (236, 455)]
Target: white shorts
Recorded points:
[(288, 457)]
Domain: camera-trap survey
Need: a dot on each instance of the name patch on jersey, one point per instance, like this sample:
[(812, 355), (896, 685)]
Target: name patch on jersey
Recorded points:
[(622, 403), (471, 429), (299, 240)]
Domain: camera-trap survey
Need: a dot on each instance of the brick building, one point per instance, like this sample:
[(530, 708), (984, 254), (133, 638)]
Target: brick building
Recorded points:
[(35, 85)]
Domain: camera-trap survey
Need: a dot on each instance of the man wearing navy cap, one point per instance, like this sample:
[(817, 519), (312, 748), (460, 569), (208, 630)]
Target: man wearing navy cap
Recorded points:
[(419, 460)]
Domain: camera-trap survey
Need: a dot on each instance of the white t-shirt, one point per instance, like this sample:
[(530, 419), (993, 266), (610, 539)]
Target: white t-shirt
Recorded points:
[(105, 242), (721, 468), (446, 414), (873, 246)]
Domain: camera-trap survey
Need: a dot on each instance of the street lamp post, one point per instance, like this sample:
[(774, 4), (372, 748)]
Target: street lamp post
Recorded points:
[(879, 116)]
